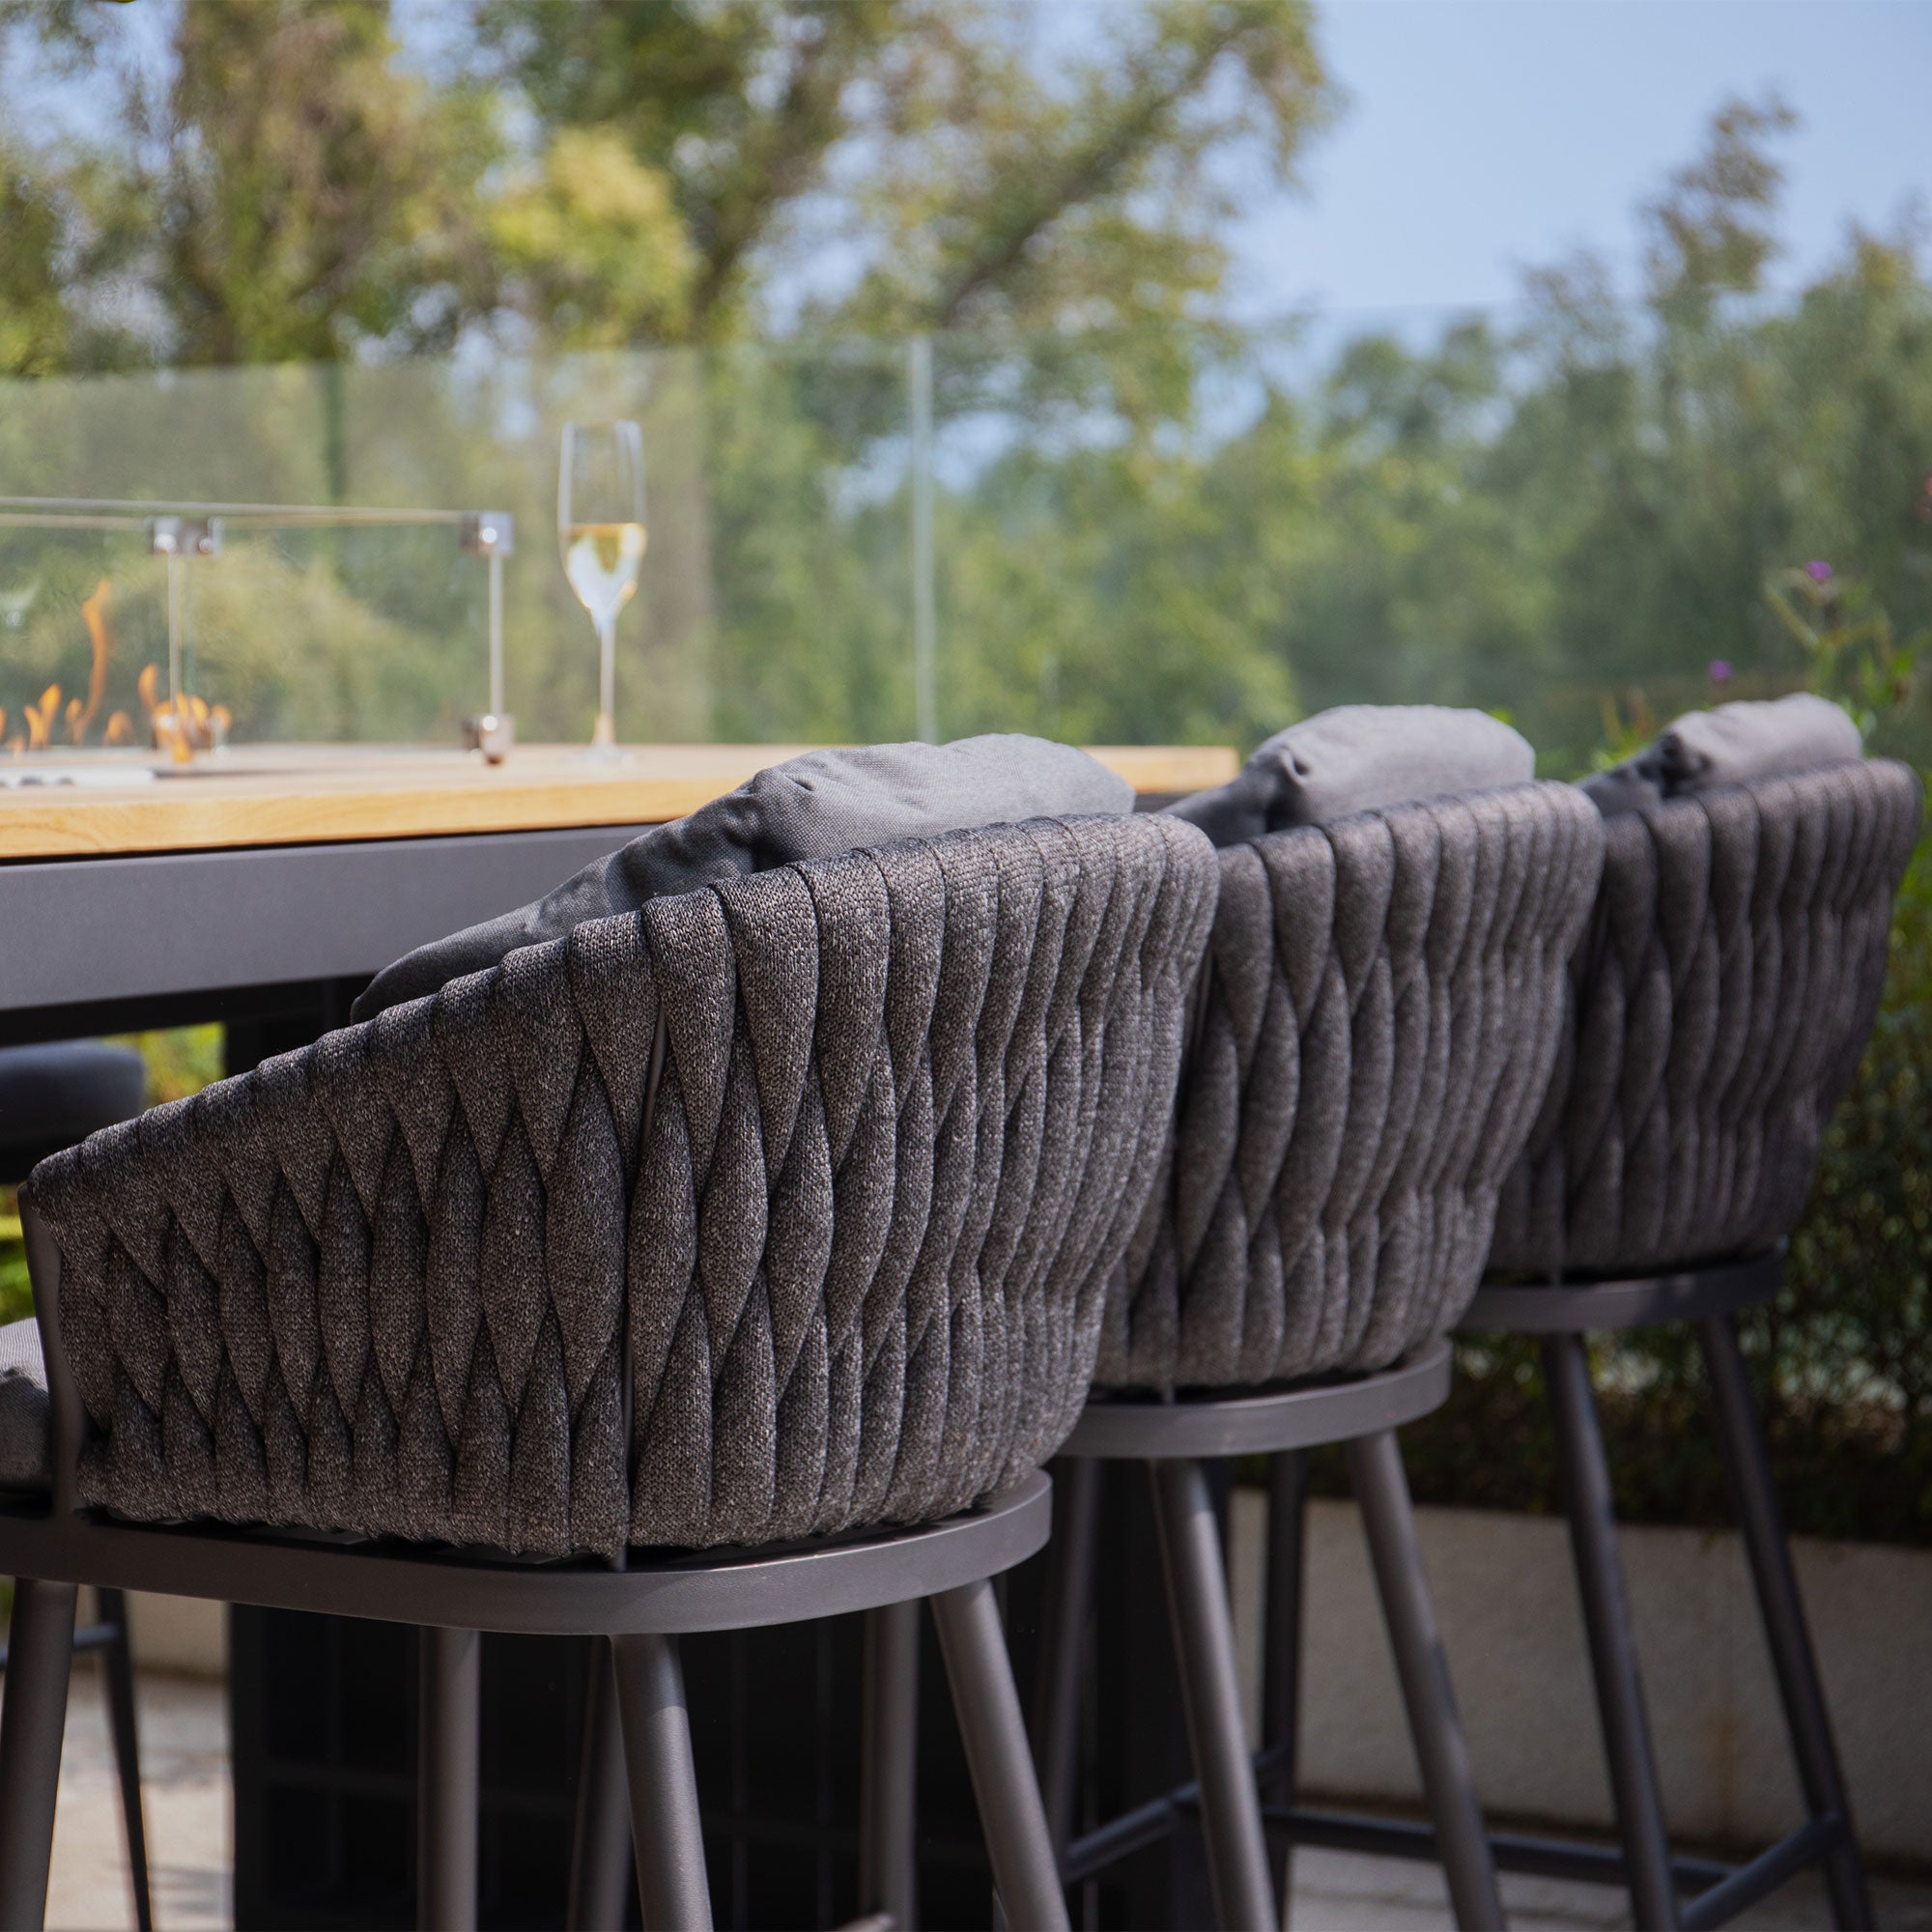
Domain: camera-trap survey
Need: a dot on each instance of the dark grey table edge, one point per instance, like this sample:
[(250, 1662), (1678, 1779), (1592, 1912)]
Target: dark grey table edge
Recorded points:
[(118, 942)]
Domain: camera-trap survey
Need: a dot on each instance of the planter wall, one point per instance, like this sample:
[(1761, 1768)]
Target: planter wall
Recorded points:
[(1506, 1595)]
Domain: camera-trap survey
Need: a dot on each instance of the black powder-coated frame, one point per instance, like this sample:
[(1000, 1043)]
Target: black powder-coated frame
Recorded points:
[(107, 1636), (1666, 1890), (641, 1609), (1174, 1440)]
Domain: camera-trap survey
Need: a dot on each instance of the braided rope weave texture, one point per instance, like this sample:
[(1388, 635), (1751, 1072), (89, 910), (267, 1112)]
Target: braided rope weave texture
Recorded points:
[(838, 1157), (1379, 1018), (1718, 1003)]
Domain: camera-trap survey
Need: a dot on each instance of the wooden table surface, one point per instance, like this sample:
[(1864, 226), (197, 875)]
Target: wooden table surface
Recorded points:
[(309, 794)]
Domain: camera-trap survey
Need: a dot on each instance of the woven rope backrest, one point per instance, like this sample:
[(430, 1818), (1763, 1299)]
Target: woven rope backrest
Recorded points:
[(777, 1207), (1379, 1018), (1719, 1000)]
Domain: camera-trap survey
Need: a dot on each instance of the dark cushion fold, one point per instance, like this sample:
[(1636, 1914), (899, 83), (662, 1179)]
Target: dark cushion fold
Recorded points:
[(811, 807), (51, 1097), (1359, 757), (1733, 744)]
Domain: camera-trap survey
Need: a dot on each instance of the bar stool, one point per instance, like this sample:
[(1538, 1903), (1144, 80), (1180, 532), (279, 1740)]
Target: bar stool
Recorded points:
[(51, 1097), (1721, 1002), (1378, 1016), (729, 1263)]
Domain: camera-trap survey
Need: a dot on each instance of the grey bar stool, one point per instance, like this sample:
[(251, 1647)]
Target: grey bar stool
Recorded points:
[(51, 1097), (1722, 999), (728, 1263), (1379, 1012)]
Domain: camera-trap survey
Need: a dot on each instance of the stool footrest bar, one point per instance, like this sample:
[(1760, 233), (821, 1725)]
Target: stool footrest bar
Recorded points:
[(1147, 1824), (1721, 1891), (1533, 1855), (1809, 1845)]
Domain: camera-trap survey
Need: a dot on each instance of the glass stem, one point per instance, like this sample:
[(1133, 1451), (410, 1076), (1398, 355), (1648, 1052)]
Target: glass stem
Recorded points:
[(606, 683)]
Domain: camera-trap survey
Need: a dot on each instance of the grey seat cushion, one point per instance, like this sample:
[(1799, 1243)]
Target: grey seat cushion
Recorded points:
[(26, 1420), (1715, 1012), (811, 807), (1355, 758), (817, 1176), (1733, 744), (1381, 1012), (51, 1097)]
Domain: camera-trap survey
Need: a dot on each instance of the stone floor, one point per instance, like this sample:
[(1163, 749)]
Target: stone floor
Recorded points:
[(185, 1762)]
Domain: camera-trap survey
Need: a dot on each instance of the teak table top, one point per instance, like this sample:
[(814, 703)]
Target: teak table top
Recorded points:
[(317, 794)]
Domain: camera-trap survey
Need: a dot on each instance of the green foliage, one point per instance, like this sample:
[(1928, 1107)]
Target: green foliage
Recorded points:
[(290, 183)]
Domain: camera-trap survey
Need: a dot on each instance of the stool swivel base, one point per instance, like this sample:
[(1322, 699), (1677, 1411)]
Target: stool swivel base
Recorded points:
[(1666, 1890), (1174, 1440)]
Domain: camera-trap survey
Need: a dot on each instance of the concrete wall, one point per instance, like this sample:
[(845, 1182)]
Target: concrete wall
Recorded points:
[(1506, 1596), (184, 1636)]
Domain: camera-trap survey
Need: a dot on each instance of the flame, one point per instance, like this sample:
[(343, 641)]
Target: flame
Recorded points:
[(41, 719), (17, 744), (149, 686), (120, 728), (94, 613)]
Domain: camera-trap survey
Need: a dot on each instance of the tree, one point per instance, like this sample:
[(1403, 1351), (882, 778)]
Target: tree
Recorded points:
[(279, 188), (975, 182), (288, 180)]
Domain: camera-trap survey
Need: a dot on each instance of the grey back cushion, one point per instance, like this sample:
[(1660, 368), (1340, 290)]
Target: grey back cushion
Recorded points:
[(1730, 745), (1715, 1012), (811, 807), (818, 1176), (1382, 1007), (1355, 758)]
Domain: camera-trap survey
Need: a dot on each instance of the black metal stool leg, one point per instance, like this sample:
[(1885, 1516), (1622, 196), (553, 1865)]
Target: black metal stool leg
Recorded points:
[(888, 1765), (1203, 1642), (1607, 1621), (1783, 1609), (1281, 1644), (672, 1886), (994, 1734), (600, 1852), (1069, 1602), (448, 1777), (1388, 1517), (40, 1659), (118, 1666)]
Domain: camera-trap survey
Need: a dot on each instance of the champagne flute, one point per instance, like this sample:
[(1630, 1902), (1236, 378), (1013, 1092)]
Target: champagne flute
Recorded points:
[(600, 529)]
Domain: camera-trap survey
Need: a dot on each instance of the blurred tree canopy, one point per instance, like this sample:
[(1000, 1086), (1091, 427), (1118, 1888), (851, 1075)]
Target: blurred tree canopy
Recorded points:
[(276, 180)]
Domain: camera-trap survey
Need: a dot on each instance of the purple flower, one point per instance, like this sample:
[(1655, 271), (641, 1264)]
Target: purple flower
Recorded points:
[(1818, 572), (1720, 670)]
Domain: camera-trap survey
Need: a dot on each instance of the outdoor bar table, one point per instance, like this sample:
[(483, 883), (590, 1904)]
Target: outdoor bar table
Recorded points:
[(266, 884)]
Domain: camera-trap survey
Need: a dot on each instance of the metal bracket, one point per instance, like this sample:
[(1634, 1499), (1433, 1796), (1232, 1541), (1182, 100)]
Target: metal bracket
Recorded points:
[(487, 534), (184, 536)]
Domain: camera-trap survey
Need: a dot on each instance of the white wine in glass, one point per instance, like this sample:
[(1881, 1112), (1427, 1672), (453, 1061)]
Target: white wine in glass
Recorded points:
[(600, 529)]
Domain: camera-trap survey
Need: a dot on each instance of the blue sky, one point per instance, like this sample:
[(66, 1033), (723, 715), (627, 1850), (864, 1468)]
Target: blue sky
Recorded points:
[(1484, 135)]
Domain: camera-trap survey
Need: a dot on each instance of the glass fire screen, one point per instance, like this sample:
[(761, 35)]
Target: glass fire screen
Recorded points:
[(1107, 540)]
